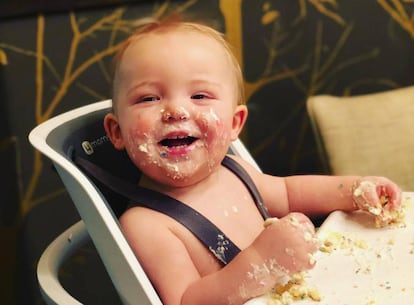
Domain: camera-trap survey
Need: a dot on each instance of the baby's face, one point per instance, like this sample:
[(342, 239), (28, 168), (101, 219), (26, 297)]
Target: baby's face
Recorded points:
[(176, 106)]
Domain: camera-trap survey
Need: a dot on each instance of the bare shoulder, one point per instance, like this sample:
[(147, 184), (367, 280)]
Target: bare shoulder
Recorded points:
[(151, 233), (252, 170), (162, 252), (139, 216), (257, 175), (272, 188), (141, 225)]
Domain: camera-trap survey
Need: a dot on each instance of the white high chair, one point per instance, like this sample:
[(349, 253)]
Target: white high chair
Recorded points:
[(82, 130)]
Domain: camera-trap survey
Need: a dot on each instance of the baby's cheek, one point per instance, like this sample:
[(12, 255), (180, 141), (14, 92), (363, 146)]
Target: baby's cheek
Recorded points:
[(213, 128), (138, 145)]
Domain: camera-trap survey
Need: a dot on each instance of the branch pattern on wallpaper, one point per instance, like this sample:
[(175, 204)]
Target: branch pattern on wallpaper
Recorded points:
[(312, 74)]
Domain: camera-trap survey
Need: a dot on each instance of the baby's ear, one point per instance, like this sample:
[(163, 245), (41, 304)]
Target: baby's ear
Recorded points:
[(239, 119), (113, 131)]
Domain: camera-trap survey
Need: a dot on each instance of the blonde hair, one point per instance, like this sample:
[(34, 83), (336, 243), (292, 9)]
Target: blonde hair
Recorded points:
[(150, 25)]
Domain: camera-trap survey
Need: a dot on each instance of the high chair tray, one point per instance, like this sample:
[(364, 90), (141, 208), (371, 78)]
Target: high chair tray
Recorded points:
[(361, 264)]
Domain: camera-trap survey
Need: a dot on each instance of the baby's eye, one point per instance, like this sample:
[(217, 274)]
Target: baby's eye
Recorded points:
[(147, 99), (199, 96)]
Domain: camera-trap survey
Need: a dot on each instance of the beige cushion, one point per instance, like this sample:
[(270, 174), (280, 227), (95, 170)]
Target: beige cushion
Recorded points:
[(370, 134)]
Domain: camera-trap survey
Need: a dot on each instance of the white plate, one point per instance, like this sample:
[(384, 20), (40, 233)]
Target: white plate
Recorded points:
[(377, 270)]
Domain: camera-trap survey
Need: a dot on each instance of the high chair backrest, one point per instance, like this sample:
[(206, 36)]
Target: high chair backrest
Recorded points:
[(80, 132)]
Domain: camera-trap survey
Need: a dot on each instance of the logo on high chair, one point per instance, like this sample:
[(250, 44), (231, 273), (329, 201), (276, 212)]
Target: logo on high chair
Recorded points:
[(87, 147), (90, 146)]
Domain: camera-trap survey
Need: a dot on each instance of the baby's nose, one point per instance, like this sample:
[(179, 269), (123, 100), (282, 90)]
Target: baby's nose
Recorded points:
[(175, 114)]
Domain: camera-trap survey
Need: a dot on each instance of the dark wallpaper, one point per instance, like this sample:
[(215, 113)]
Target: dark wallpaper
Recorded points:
[(289, 50)]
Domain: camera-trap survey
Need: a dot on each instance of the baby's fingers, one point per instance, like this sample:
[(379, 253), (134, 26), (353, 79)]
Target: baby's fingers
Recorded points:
[(387, 192), (390, 196), (380, 197), (366, 196)]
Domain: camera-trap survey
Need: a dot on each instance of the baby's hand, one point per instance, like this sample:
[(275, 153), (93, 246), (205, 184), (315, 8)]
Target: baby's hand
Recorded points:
[(379, 196), (289, 243)]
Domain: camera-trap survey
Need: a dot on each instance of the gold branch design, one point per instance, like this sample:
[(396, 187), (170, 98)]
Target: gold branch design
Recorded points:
[(3, 57), (70, 75), (397, 11), (320, 69), (114, 24), (231, 10), (320, 5), (323, 68), (39, 66), (326, 66)]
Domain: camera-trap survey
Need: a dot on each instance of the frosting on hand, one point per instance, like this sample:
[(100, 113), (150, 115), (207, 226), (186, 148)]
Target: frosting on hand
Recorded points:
[(379, 197)]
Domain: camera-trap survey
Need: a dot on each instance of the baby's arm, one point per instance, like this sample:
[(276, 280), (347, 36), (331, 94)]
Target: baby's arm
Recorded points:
[(322, 194), (284, 247)]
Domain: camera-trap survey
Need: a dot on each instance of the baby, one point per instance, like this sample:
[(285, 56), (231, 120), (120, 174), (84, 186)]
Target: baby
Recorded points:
[(177, 106)]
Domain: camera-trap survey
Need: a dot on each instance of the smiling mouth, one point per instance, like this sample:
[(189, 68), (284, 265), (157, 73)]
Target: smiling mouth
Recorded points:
[(179, 141)]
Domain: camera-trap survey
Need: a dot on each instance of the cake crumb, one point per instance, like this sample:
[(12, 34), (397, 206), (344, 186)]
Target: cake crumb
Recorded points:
[(336, 240), (393, 218), (295, 289)]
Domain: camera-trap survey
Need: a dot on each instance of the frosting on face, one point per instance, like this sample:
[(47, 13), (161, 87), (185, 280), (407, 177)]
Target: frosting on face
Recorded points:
[(180, 149), (176, 106)]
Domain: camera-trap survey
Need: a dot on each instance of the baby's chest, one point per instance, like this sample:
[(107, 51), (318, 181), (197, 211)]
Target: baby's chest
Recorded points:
[(236, 215), (240, 224)]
